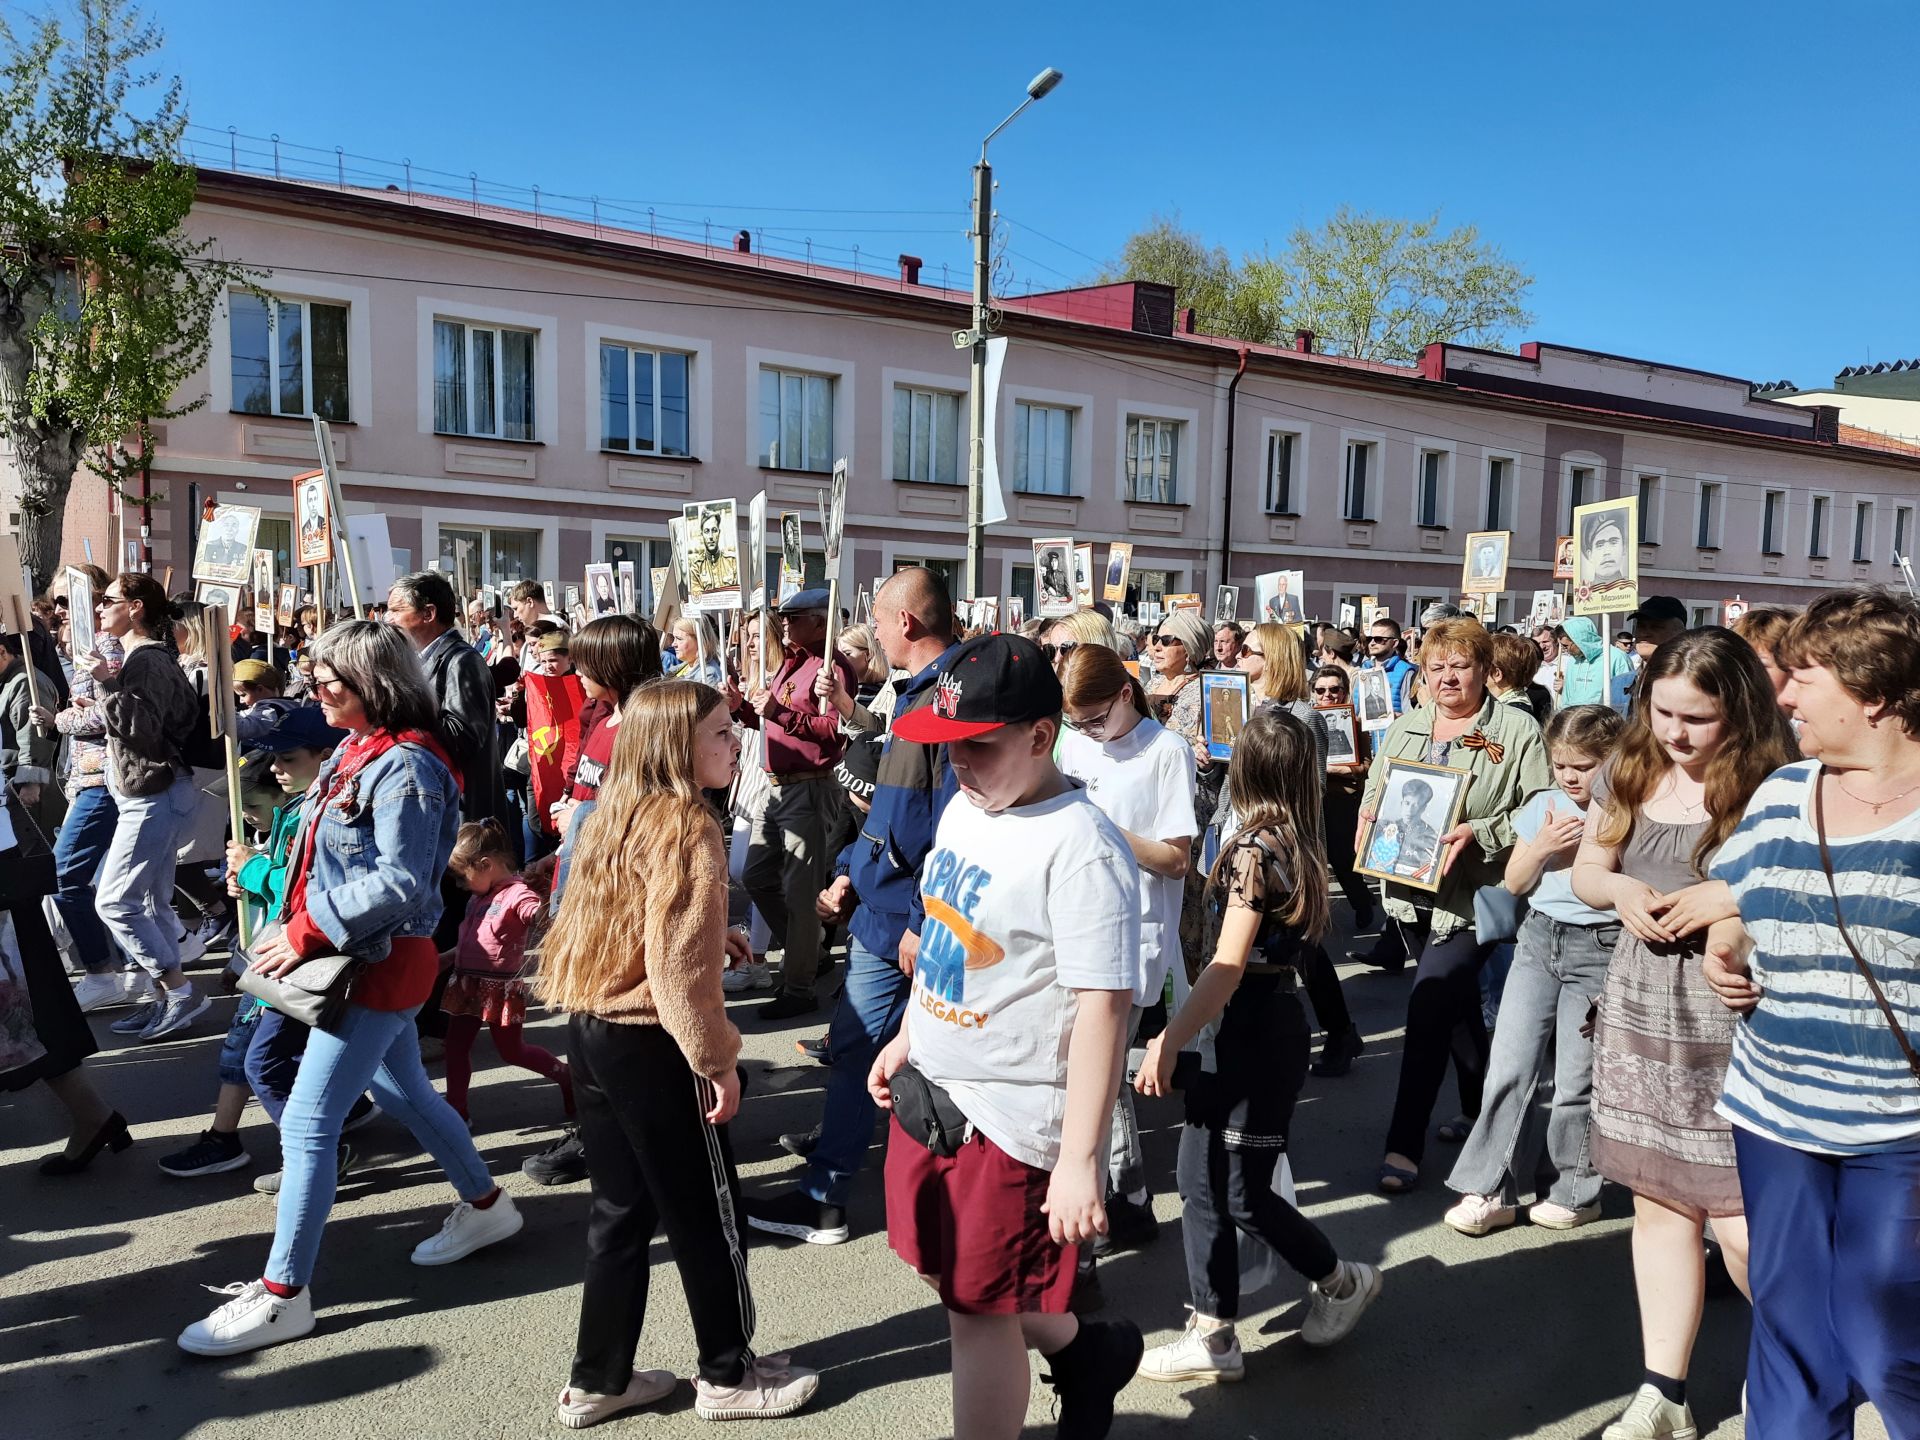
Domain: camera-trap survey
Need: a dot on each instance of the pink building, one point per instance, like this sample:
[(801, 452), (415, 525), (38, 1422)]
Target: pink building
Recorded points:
[(553, 391)]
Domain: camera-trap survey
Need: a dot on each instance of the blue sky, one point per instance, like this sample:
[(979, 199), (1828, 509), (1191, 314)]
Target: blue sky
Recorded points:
[(1710, 184)]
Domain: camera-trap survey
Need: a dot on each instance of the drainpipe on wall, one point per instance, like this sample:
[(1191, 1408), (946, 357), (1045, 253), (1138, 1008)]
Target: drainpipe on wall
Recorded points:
[(1226, 530)]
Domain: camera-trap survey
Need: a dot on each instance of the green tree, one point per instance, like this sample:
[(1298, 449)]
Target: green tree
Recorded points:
[(105, 302), (1202, 276)]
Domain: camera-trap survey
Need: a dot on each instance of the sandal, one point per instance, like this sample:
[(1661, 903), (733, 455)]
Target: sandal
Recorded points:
[(1457, 1130), (579, 1409), (1398, 1179)]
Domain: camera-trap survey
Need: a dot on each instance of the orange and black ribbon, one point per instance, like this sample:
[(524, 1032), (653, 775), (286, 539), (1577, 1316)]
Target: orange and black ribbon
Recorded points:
[(1478, 740)]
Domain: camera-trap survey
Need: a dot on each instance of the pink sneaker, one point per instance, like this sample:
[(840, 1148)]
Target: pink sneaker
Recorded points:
[(1560, 1217), (1480, 1215), (773, 1386)]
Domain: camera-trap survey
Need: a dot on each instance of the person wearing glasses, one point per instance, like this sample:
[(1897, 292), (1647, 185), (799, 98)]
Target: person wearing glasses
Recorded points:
[(1180, 648), (1383, 652), (1067, 634), (1141, 776), (1341, 801)]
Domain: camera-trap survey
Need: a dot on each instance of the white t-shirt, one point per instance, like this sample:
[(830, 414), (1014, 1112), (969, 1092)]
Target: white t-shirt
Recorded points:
[(1023, 908), (1144, 783)]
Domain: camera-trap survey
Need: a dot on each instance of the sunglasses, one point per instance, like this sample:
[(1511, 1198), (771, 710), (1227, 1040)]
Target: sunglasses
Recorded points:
[(1060, 651), (1158, 639), (1253, 650), (1379, 639)]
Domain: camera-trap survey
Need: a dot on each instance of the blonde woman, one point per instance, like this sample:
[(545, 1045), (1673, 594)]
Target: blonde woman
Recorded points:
[(636, 957), (696, 650), (1068, 633)]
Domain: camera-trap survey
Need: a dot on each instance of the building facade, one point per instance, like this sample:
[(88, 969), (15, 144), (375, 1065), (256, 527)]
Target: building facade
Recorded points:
[(552, 392)]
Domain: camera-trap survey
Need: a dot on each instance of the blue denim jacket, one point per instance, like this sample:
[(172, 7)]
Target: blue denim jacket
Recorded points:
[(381, 847)]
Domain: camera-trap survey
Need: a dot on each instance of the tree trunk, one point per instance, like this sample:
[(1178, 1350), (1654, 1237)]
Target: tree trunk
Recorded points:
[(47, 454)]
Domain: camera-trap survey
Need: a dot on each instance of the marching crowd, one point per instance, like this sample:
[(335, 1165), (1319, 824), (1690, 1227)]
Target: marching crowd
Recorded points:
[(1668, 940)]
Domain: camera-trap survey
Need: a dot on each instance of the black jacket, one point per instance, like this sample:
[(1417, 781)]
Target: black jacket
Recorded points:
[(463, 687)]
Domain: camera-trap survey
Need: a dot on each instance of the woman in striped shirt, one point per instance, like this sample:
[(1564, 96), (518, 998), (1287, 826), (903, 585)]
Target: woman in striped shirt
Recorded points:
[(1823, 1089)]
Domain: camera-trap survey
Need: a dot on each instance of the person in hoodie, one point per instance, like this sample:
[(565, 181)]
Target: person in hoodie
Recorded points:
[(1592, 673), (878, 881)]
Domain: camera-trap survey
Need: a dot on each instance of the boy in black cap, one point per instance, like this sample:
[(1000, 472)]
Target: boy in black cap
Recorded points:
[(1013, 1042)]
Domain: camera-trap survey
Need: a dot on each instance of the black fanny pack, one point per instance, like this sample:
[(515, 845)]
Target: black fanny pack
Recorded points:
[(927, 1113)]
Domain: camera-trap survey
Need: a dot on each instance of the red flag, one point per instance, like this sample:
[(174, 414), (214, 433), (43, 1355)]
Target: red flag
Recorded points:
[(554, 703)]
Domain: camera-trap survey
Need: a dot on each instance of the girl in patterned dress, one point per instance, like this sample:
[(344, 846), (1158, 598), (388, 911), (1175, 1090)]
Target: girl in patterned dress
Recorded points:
[(1705, 733)]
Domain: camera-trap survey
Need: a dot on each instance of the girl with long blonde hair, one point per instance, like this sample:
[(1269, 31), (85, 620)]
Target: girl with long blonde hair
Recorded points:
[(636, 955)]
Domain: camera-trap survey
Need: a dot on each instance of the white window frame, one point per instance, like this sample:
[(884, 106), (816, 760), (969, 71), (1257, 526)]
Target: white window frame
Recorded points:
[(469, 329), (699, 355), (1700, 616), (962, 444), (1022, 413), (845, 377), (1652, 514), (1902, 530), (800, 463), (655, 352), (1864, 532), (1272, 432), (1717, 519), (1153, 432), (1782, 512), (434, 519), (1504, 519), (274, 301), (290, 285), (1823, 542), (1186, 469), (1579, 460), (1443, 486), (546, 365), (1370, 506)]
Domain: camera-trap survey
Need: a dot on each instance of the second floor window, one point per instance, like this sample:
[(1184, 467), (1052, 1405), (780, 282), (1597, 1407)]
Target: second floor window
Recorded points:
[(1862, 532), (1817, 528), (1580, 491), (289, 356), (1153, 461), (1432, 476), (1499, 488), (1649, 509), (643, 401), (1280, 453), (1707, 520), (796, 421), (1773, 519), (482, 381), (926, 436), (1902, 525), (1042, 450), (1358, 501)]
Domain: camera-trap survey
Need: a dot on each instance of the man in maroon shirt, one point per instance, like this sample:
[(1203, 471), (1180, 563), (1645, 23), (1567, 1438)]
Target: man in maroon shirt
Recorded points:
[(788, 862)]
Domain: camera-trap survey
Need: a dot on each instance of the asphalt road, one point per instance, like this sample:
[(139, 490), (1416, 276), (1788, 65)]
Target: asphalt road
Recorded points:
[(1522, 1334)]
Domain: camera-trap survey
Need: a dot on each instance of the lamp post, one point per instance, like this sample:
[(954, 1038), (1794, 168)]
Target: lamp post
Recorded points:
[(976, 338)]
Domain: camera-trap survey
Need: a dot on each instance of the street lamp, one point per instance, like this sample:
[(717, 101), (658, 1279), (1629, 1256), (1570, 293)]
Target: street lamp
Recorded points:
[(976, 338)]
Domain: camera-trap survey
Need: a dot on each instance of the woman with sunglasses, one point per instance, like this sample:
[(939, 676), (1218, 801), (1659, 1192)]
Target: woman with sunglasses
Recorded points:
[(1180, 647), (1070, 632), (1141, 775), (1340, 805)]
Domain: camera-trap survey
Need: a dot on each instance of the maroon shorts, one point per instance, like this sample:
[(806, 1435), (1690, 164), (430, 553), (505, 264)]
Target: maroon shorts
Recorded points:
[(973, 1223)]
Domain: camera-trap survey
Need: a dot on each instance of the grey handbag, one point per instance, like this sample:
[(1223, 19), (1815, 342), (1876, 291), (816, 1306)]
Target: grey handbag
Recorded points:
[(314, 992)]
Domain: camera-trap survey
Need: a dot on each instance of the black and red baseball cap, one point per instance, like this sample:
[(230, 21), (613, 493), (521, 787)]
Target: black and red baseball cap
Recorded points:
[(991, 681)]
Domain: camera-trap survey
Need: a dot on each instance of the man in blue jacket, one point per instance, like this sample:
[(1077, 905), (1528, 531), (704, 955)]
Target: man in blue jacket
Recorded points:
[(879, 876), (1383, 651)]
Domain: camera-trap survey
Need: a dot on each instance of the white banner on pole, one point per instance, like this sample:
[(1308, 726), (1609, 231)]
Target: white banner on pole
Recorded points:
[(993, 501)]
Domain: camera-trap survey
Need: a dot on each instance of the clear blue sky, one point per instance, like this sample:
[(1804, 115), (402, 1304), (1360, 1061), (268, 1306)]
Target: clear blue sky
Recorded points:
[(1722, 185)]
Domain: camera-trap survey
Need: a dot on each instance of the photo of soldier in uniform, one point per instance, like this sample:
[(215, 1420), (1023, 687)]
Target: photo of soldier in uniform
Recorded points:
[(312, 521), (224, 553), (713, 554)]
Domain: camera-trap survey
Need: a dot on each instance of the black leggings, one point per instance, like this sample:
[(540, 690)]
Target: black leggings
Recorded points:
[(655, 1162), (1323, 991), (1340, 814), (1443, 1020)]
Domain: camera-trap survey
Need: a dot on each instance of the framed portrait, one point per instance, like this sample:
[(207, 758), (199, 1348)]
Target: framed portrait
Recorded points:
[(80, 602), (1417, 805), (1277, 597), (1606, 557), (835, 524), (224, 551), (712, 531), (312, 520), (263, 607), (1119, 565), (1541, 611), (1563, 558), (1373, 698), (1343, 734), (1225, 700), (757, 551), (603, 598), (1731, 611), (1053, 587), (288, 603), (793, 556), (1083, 575), (1185, 600), (1016, 611), (1377, 613), (1485, 568), (626, 581), (1349, 615), (1226, 604), (573, 602), (227, 597)]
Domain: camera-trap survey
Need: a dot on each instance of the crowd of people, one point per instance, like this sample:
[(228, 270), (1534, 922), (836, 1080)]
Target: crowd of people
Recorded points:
[(1669, 942)]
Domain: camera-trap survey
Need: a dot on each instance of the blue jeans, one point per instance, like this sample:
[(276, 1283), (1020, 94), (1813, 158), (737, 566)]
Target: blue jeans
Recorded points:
[(136, 882), (77, 852), (273, 1059), (376, 1049), (1836, 1289), (867, 1017), (233, 1049)]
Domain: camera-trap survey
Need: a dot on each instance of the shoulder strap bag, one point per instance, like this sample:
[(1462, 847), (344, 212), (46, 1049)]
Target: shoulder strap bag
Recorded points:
[(1866, 970), (314, 992)]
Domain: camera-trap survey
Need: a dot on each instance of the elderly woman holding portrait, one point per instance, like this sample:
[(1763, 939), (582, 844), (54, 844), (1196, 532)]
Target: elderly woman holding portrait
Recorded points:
[(1823, 1088), (1461, 727)]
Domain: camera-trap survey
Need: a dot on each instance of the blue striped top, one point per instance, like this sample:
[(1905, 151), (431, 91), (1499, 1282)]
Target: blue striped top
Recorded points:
[(1815, 1066)]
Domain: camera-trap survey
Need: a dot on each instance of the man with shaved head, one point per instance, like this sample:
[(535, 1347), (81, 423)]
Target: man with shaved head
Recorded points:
[(879, 883)]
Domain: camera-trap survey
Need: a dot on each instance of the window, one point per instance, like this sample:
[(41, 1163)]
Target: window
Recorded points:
[(1817, 527), (1357, 502), (1499, 491), (1707, 521), (1902, 531), (482, 381), (946, 567), (1280, 450), (1701, 616), (289, 356), (1149, 587), (1773, 522), (926, 436), (643, 400), (1022, 583), (277, 535), (796, 421), (493, 557), (1580, 491), (1153, 461), (1862, 531), (1428, 483), (1042, 450), (1649, 509)]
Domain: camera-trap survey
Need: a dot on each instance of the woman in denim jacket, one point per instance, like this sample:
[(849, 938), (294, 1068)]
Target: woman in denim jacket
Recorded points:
[(363, 880)]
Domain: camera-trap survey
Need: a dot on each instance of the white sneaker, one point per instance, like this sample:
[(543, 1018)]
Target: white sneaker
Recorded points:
[(1651, 1416), (773, 1386), (467, 1230), (754, 975), (1480, 1215), (179, 1010), (103, 992), (1192, 1358), (1329, 1320), (253, 1319), (1561, 1217)]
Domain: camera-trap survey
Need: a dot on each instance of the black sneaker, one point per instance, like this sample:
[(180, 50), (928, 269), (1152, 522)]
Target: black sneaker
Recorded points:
[(269, 1183), (801, 1143), (797, 1214), (787, 1006), (814, 1050), (213, 1153), (562, 1163), (1090, 1372), (364, 1112), (1389, 953), (1129, 1226), (1338, 1052)]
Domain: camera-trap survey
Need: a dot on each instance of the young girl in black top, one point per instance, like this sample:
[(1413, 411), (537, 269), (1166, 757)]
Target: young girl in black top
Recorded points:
[(1269, 893)]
